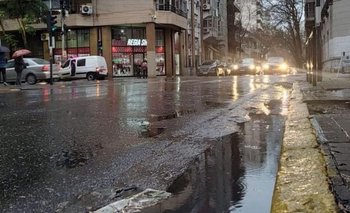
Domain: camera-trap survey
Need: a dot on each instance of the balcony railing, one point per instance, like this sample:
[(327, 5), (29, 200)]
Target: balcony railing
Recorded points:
[(171, 8)]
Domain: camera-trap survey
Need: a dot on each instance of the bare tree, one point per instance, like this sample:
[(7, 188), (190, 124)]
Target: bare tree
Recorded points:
[(286, 19), (246, 23)]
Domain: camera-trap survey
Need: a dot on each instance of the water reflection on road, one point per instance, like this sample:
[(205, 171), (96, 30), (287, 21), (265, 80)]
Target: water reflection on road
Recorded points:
[(236, 175)]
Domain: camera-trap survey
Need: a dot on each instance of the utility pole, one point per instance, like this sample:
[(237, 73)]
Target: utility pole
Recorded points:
[(64, 6), (51, 27), (193, 50)]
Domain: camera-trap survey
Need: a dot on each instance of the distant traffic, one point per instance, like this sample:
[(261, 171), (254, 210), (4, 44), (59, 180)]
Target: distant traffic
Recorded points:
[(246, 66)]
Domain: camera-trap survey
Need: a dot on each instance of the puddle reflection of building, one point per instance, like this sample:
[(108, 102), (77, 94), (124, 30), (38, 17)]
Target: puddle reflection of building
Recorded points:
[(254, 141), (211, 184)]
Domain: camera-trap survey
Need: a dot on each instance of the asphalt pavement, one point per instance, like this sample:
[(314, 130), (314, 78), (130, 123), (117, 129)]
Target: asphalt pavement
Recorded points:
[(314, 174)]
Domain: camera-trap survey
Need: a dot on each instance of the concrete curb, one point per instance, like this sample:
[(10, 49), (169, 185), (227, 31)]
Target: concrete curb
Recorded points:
[(302, 183)]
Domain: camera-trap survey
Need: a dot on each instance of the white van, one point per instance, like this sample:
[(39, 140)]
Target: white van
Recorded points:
[(89, 67)]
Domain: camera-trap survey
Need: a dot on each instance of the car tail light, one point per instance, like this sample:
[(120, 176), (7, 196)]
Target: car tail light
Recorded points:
[(45, 68)]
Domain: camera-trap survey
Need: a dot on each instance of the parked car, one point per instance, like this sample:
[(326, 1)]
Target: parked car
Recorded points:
[(38, 69), (212, 67), (247, 66), (276, 65), (89, 67)]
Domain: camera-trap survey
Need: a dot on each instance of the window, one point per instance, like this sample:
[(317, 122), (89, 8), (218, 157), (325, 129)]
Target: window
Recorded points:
[(66, 64), (10, 64), (310, 10), (159, 37), (318, 3), (81, 62), (40, 61)]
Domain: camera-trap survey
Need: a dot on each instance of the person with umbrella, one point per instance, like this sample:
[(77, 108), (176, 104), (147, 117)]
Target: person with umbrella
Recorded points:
[(3, 64), (19, 64), (19, 67)]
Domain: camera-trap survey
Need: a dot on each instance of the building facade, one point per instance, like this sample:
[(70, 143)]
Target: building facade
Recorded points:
[(174, 36), (194, 36), (328, 30), (335, 31), (125, 32)]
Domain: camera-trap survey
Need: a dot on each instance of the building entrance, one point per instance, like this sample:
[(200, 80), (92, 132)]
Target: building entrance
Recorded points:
[(138, 59)]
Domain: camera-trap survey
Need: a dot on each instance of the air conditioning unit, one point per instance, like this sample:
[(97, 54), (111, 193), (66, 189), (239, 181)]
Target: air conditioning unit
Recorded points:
[(206, 7), (44, 36), (86, 9)]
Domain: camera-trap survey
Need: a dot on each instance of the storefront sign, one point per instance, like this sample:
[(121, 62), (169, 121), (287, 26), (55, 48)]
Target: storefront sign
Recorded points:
[(137, 42)]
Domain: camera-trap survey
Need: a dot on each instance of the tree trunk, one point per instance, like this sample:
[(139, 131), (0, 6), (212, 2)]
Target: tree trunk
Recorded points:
[(23, 32)]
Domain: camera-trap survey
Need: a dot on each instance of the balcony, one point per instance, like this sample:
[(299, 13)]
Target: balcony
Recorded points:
[(325, 7), (171, 8)]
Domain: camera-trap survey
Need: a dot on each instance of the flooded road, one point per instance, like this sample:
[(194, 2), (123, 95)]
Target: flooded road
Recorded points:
[(73, 146)]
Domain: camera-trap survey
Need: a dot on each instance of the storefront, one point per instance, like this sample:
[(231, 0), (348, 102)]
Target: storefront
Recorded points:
[(125, 48), (129, 50)]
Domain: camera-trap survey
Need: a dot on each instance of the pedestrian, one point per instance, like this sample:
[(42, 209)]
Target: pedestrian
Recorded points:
[(144, 69), (19, 67), (73, 68), (3, 63)]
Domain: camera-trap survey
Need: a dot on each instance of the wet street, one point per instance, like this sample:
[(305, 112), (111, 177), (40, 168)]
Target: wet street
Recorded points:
[(76, 146)]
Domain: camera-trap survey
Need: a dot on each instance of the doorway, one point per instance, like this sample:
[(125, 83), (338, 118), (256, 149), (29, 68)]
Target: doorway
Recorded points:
[(138, 59)]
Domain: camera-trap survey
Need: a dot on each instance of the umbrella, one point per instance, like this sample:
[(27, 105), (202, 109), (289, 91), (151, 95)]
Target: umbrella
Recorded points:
[(21, 52), (4, 49)]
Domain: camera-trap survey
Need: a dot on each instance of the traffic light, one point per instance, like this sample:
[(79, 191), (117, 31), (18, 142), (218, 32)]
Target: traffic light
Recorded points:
[(53, 22)]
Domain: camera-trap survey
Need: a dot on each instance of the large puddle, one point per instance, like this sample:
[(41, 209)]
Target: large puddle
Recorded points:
[(236, 175)]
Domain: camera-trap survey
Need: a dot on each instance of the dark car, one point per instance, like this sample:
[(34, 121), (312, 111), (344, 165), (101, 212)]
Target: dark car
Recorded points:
[(276, 65), (247, 66), (212, 67), (38, 69)]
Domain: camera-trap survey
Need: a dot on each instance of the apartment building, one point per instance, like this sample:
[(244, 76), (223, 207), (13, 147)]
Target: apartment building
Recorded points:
[(335, 31), (208, 20), (194, 35), (125, 32), (214, 29), (328, 27)]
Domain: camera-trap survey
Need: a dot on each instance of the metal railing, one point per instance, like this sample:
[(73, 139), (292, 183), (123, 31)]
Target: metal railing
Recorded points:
[(171, 8)]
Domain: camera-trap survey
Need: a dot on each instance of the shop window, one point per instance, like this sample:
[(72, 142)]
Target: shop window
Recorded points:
[(159, 37), (81, 62), (139, 33), (83, 38), (77, 43), (129, 49)]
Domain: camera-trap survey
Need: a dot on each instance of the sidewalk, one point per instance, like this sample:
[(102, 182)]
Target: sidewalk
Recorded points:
[(315, 160)]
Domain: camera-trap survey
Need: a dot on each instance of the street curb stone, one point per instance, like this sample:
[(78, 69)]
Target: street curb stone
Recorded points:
[(302, 183)]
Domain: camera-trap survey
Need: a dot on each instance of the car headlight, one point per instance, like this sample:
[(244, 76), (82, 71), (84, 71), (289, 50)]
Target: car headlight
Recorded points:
[(252, 66), (266, 67), (284, 66), (235, 67)]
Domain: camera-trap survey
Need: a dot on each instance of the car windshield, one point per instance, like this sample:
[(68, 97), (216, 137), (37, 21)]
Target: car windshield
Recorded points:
[(40, 61), (247, 61), (275, 60), (208, 62)]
